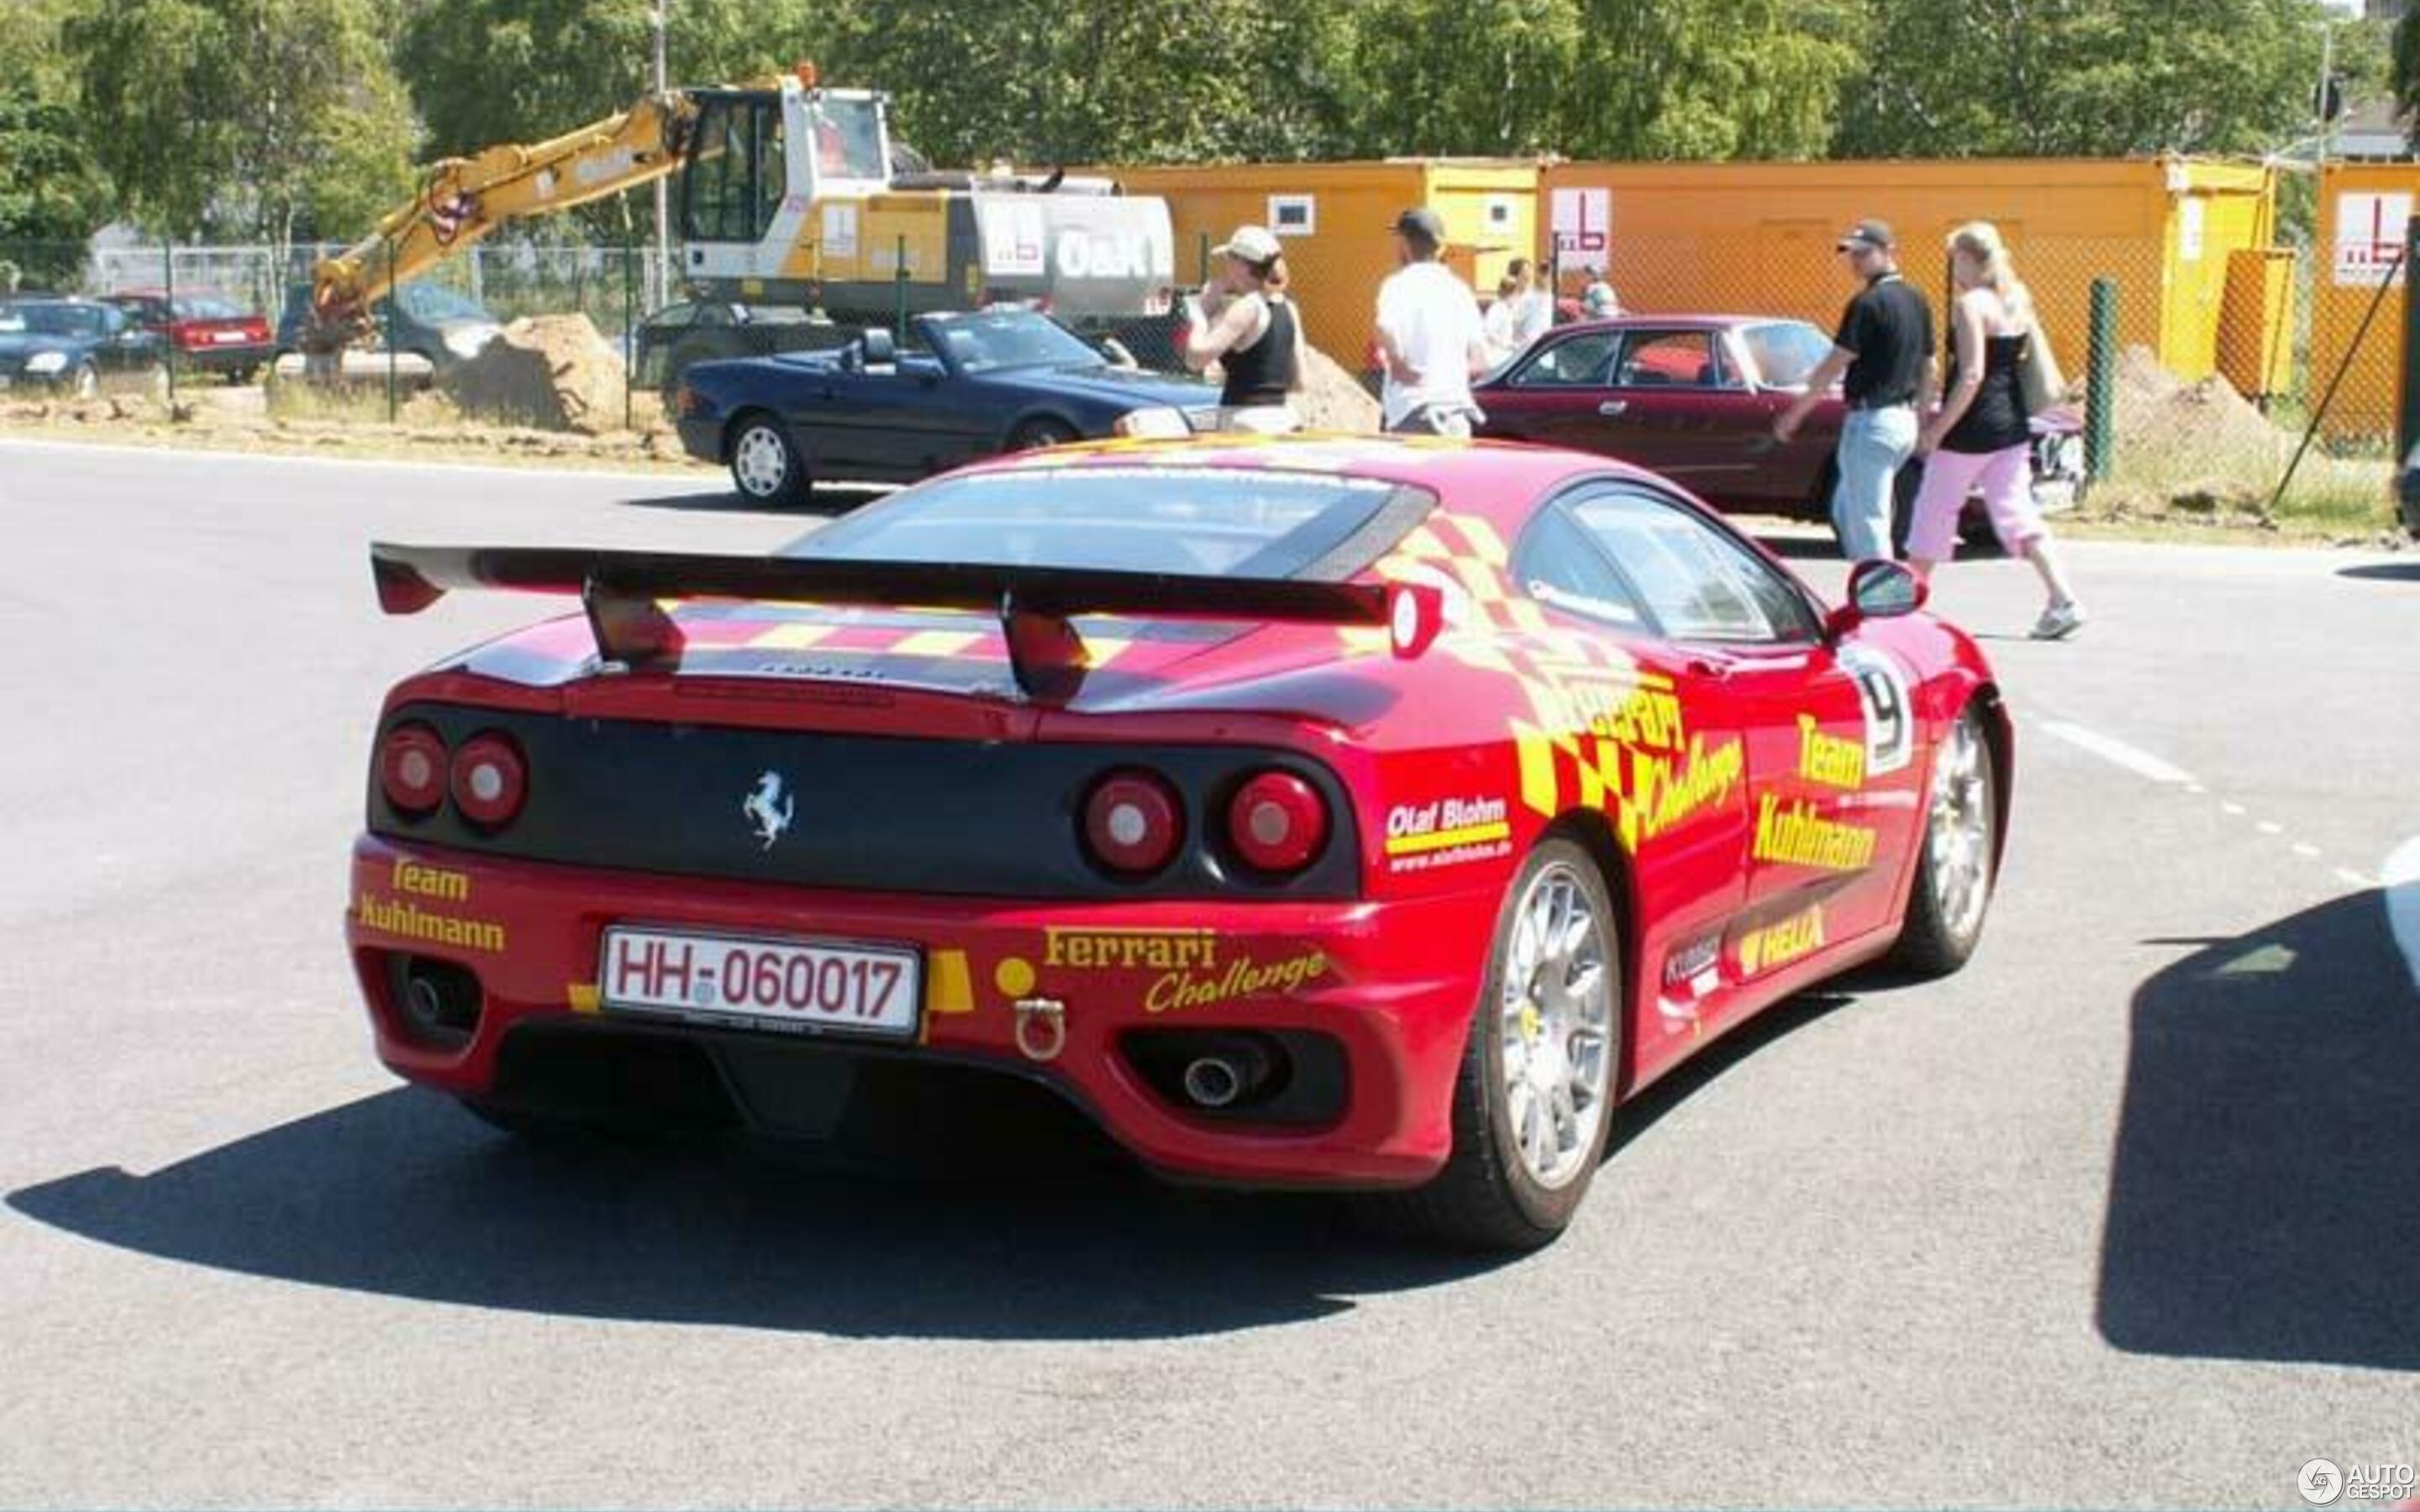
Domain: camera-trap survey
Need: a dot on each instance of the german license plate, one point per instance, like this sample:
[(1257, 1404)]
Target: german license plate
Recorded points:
[(226, 337), (829, 986)]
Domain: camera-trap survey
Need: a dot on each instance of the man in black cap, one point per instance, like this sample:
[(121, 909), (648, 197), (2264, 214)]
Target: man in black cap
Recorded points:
[(1431, 337), (1884, 347)]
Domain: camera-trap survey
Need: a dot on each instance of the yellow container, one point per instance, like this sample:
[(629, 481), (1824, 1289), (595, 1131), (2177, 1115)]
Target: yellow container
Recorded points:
[(1333, 219), (1758, 237), (2363, 208), (2256, 322)]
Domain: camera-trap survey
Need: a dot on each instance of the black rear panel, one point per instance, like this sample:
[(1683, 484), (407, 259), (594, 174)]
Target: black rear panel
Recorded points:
[(866, 812)]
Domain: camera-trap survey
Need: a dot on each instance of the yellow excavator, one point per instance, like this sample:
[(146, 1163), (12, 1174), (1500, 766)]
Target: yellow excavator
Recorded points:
[(790, 199)]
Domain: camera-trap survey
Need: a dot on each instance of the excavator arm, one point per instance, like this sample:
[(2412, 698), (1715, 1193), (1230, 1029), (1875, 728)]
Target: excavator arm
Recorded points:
[(462, 199)]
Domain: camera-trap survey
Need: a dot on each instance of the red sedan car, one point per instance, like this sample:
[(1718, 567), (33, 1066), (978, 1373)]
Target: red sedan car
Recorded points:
[(1692, 397), (1368, 814), (206, 333)]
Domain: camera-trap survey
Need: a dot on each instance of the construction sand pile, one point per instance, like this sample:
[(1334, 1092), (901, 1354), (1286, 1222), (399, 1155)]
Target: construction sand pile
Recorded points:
[(1332, 398), (2203, 430), (553, 372)]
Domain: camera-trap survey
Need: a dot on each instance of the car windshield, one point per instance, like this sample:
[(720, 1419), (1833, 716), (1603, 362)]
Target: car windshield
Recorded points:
[(434, 303), (1009, 338), (1785, 352), (1257, 523), (48, 318), (207, 308)]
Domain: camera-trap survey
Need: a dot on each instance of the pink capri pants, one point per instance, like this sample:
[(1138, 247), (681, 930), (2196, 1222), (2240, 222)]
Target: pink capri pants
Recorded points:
[(2005, 478)]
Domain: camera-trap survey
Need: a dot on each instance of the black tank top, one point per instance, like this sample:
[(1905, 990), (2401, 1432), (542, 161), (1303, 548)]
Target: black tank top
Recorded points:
[(1996, 420), (1263, 373)]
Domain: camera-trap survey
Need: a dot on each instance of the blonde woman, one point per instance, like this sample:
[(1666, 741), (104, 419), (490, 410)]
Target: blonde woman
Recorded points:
[(1979, 438)]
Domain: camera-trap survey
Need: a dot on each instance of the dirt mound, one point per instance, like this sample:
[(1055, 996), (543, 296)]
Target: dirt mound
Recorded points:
[(1332, 398), (2204, 426), (553, 372)]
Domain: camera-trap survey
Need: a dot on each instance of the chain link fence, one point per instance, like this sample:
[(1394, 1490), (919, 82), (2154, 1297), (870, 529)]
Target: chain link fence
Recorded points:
[(2206, 387)]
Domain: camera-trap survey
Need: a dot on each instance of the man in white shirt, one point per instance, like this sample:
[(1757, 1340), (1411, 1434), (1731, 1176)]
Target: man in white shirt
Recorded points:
[(1430, 336)]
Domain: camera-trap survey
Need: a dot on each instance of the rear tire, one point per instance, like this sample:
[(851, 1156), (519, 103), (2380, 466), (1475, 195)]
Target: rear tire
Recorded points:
[(765, 466), (1955, 861), (1033, 435), (1532, 1105)]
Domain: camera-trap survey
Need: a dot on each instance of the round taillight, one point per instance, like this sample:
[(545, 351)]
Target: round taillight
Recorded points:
[(490, 779), (412, 768), (1278, 822), (1132, 823)]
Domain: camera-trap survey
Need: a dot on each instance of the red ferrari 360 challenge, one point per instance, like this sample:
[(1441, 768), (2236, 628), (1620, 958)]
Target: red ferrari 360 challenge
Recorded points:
[(1310, 812)]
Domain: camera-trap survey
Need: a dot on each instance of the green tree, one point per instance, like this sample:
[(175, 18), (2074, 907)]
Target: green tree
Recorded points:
[(2083, 78), (52, 196), (252, 118), (1719, 79)]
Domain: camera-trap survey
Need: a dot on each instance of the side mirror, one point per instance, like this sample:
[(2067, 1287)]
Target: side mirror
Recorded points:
[(877, 347), (1877, 591)]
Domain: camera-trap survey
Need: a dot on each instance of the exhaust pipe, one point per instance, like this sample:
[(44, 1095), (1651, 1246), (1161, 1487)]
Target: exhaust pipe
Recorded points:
[(425, 1002), (1235, 1071), (1213, 1082)]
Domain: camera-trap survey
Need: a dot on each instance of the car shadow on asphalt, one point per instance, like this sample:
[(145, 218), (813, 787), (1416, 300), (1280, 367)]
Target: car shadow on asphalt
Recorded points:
[(2406, 572), (403, 1195), (828, 500), (2264, 1203)]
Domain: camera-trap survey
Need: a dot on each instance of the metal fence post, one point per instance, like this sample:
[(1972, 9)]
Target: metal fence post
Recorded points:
[(390, 336), (2407, 392), (1202, 258), (168, 292), (2101, 380), (630, 348), (899, 289)]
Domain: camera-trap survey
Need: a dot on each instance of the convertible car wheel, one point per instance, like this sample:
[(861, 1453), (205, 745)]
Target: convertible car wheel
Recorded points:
[(765, 466), (1035, 434), (1953, 869), (1531, 1106)]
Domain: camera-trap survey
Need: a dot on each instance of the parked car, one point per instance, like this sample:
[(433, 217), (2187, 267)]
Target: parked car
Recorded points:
[(442, 326), (203, 332), (1309, 812), (76, 346), (972, 385), (1694, 399)]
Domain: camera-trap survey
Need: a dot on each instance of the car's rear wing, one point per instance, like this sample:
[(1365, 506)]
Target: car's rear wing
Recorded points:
[(621, 592)]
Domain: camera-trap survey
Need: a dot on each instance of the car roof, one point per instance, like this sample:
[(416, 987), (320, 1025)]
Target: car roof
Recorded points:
[(1629, 319), (1498, 479)]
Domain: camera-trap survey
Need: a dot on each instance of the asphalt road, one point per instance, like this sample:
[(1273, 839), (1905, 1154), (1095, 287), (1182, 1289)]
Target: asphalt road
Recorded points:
[(2127, 1214)]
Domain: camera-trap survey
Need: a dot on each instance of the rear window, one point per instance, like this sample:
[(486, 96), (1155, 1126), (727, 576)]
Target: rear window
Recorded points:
[(1216, 522), (1786, 352), (207, 308)]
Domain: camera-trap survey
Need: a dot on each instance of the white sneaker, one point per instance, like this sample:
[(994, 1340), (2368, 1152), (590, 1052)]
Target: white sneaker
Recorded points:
[(2059, 622)]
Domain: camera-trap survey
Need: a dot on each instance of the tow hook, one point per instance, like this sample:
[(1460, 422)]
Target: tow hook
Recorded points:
[(1041, 1028)]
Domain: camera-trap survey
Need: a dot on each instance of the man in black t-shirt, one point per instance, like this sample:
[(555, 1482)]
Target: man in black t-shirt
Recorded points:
[(1879, 356)]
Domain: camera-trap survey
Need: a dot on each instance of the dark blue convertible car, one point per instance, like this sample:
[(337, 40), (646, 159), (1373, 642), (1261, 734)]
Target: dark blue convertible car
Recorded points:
[(969, 385)]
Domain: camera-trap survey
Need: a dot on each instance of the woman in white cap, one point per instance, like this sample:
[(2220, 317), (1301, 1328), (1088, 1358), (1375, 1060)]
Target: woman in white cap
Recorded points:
[(1251, 330)]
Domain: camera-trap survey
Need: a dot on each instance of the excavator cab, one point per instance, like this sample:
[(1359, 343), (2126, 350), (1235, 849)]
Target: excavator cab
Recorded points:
[(760, 161)]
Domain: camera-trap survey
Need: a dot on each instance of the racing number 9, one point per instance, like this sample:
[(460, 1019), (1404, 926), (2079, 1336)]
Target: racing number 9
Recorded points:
[(1881, 690)]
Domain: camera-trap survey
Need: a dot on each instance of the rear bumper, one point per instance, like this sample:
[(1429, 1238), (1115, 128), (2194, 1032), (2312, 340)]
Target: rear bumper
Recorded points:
[(700, 437), (228, 359), (1385, 989)]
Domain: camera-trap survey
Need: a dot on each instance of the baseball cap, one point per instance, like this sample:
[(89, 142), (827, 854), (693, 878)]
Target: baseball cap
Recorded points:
[(1422, 221), (1252, 243), (1874, 234)]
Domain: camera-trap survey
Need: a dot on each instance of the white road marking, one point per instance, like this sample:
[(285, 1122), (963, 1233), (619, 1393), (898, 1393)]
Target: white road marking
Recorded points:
[(2116, 752), (2235, 808), (707, 481), (2351, 878), (2400, 879), (2270, 827), (2307, 852)]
